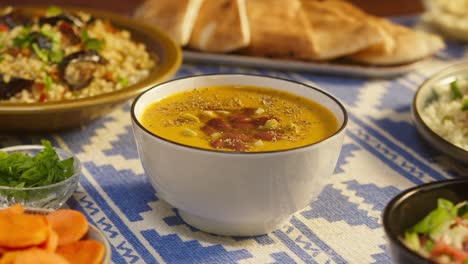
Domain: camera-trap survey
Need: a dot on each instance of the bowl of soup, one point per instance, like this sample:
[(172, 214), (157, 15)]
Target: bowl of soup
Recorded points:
[(237, 154)]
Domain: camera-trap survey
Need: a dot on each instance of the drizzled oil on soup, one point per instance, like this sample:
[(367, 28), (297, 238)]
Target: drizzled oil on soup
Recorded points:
[(240, 119)]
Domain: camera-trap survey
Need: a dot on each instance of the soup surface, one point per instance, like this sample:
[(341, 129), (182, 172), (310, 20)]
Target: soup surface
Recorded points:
[(239, 118)]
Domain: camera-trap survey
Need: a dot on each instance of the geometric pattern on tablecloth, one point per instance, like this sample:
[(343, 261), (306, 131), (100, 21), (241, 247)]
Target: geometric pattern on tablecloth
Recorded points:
[(382, 155)]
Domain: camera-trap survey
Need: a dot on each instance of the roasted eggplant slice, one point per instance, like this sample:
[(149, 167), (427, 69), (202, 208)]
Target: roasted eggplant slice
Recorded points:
[(42, 41), (66, 17), (77, 69), (14, 86), (14, 19)]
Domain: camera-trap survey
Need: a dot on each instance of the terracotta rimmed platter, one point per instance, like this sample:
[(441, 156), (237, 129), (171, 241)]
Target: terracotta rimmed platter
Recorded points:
[(48, 116)]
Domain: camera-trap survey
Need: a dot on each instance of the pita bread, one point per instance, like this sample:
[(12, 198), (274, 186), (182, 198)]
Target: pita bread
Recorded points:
[(410, 46), (347, 9), (336, 33), (174, 17), (221, 26), (278, 28)]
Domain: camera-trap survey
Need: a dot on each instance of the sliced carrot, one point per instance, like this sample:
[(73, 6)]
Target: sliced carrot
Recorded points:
[(15, 209), (51, 243), (32, 256), (70, 225), (84, 251), (22, 230)]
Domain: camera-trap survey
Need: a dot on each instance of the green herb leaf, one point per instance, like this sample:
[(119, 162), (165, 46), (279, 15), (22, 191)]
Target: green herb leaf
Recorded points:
[(53, 11), (56, 54), (51, 34), (456, 93), (48, 82), (412, 241), (2, 58), (18, 169), (436, 219), (463, 210), (91, 43), (42, 54), (123, 81), (464, 105), (25, 39)]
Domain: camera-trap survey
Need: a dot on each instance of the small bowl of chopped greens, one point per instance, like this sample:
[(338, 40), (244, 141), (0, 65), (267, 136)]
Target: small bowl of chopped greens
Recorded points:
[(429, 223), (37, 176)]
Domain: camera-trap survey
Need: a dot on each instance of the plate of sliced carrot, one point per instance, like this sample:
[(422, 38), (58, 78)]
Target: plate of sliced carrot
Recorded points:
[(42, 236)]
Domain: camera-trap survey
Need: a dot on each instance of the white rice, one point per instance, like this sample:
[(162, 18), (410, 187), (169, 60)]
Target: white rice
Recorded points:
[(445, 116)]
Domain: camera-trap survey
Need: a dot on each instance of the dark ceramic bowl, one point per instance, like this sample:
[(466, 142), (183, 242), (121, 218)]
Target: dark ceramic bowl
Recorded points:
[(410, 206), (421, 99)]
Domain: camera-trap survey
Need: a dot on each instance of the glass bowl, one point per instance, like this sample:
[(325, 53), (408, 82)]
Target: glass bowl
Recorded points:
[(50, 196)]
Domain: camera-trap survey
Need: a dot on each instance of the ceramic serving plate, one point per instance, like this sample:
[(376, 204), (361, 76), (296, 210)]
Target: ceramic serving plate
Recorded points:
[(335, 68), (423, 95), (93, 233), (66, 114)]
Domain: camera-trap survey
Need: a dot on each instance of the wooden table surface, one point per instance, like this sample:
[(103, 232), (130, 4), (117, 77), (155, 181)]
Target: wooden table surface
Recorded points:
[(377, 7)]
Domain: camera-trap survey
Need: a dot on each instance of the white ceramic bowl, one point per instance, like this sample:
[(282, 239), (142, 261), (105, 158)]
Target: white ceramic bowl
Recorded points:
[(236, 194)]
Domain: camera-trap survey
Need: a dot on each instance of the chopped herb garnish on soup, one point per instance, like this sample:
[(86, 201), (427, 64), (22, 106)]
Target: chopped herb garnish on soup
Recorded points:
[(21, 170), (442, 235)]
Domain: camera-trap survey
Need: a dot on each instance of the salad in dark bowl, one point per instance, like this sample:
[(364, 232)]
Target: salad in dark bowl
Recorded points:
[(429, 223)]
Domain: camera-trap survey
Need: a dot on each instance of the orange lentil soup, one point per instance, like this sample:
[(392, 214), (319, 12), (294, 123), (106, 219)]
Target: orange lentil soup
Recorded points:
[(239, 118)]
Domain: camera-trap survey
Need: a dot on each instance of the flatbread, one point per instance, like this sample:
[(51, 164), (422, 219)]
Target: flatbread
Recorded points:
[(410, 46), (387, 43), (174, 17), (278, 28), (336, 32), (221, 26)]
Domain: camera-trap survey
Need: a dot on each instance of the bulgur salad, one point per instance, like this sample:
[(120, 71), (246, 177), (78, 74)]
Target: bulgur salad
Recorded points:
[(60, 55), (442, 235)]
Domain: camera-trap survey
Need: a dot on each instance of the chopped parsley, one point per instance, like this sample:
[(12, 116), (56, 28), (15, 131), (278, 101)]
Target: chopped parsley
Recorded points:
[(456, 93), (41, 53), (91, 43), (25, 39), (123, 81), (21, 170), (465, 105), (48, 82)]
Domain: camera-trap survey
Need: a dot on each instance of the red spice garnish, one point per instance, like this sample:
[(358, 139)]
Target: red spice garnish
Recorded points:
[(239, 118), (209, 130), (3, 28), (219, 124), (40, 87), (244, 126), (239, 130), (266, 135), (108, 77)]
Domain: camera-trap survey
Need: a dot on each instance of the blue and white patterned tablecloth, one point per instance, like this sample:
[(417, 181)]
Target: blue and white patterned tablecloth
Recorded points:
[(381, 156)]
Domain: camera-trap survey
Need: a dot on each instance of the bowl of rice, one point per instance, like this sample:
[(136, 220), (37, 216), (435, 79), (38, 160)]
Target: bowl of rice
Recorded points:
[(440, 111), (61, 67)]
